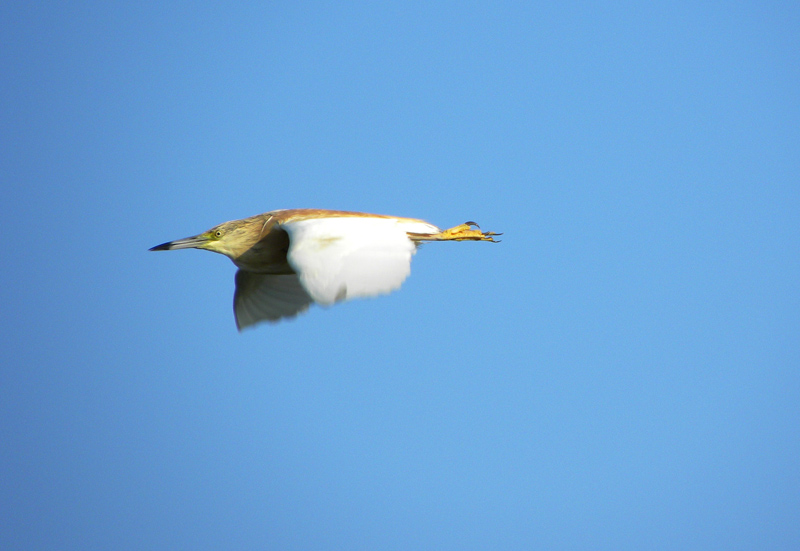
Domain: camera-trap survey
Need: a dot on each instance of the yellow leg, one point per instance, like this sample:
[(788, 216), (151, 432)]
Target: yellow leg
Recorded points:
[(468, 231)]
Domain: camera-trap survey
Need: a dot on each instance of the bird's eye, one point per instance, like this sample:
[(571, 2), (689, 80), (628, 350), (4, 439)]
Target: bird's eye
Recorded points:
[(218, 234)]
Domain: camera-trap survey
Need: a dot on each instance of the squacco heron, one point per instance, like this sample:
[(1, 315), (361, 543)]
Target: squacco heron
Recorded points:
[(289, 259)]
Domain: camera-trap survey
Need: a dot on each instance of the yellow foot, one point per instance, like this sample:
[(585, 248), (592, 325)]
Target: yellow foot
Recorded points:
[(468, 231)]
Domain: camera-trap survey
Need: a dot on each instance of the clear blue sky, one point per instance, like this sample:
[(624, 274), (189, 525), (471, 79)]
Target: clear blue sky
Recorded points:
[(621, 373)]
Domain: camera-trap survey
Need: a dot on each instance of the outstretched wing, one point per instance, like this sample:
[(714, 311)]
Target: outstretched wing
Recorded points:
[(339, 258), (267, 297)]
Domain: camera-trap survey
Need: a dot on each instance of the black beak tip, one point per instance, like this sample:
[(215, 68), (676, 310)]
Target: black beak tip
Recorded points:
[(162, 247)]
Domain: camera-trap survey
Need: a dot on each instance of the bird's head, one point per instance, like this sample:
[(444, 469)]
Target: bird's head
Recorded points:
[(229, 238)]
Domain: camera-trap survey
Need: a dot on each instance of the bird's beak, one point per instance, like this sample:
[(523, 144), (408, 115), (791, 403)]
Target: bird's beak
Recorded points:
[(186, 243)]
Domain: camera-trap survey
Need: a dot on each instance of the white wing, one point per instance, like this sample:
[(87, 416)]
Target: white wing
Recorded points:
[(348, 257), (266, 297)]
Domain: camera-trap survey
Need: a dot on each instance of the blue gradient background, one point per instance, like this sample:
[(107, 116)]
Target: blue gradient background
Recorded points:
[(622, 372)]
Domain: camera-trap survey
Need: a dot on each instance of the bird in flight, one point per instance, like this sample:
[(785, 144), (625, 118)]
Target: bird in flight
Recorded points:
[(289, 259)]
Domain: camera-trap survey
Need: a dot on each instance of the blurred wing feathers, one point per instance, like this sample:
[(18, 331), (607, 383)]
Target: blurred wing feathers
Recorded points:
[(266, 297), (347, 257)]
